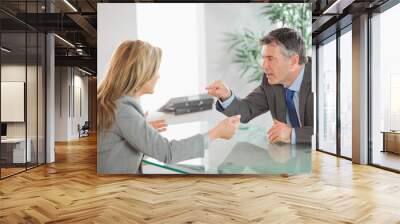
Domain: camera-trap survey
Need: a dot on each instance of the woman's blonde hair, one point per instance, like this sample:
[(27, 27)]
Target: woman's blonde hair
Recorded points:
[(133, 64)]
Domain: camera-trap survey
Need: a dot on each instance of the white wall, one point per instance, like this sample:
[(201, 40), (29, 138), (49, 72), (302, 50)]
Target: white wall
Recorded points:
[(83, 83), (80, 83), (61, 104), (66, 121), (183, 56), (115, 23)]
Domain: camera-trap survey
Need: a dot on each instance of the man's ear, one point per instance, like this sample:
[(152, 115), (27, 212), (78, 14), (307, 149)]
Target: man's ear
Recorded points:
[(294, 59)]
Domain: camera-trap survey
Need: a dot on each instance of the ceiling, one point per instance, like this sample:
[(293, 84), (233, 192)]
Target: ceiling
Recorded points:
[(75, 23), (332, 15)]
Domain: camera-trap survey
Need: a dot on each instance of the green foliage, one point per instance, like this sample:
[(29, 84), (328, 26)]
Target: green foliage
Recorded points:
[(295, 15), (246, 47), (246, 44)]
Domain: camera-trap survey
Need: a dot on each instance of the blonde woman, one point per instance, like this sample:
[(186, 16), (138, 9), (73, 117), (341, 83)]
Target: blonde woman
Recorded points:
[(124, 135)]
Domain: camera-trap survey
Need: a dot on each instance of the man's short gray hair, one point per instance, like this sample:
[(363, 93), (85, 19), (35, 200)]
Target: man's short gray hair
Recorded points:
[(290, 42)]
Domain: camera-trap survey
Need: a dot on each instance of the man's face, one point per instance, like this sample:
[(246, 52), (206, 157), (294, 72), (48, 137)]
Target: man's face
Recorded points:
[(275, 64)]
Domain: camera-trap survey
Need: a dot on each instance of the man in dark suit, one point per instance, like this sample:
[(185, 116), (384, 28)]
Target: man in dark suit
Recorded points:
[(285, 90)]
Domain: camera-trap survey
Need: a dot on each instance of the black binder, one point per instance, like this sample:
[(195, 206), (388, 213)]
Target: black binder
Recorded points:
[(192, 109), (188, 104)]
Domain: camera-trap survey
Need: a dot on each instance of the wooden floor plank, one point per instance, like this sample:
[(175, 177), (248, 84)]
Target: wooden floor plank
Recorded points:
[(70, 191)]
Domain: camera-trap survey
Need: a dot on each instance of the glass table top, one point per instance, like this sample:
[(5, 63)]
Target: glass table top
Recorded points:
[(248, 152)]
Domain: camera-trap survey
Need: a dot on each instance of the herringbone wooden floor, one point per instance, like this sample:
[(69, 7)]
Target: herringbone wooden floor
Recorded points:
[(69, 191)]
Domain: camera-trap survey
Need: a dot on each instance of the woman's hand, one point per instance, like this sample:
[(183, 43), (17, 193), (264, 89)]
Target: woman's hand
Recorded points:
[(225, 129), (160, 125)]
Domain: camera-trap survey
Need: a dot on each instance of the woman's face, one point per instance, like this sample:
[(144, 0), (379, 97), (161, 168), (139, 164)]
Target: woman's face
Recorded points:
[(148, 88)]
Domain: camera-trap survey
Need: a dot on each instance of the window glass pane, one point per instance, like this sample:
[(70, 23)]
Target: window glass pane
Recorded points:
[(41, 97), (31, 96), (15, 150), (385, 89), (22, 88), (327, 97), (346, 94)]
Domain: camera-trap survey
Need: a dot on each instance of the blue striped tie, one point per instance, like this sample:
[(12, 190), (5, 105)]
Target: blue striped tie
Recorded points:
[(291, 108)]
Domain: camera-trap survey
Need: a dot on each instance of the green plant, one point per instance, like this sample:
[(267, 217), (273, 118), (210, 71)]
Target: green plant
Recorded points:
[(246, 44), (296, 16), (247, 53)]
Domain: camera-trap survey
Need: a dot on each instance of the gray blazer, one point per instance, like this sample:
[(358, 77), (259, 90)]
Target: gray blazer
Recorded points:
[(267, 97), (121, 150)]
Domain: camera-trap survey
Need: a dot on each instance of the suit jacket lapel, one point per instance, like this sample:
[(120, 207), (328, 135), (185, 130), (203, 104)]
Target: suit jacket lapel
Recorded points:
[(280, 103), (305, 89), (279, 107)]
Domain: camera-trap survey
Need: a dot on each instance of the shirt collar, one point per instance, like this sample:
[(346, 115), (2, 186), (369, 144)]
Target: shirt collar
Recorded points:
[(297, 82)]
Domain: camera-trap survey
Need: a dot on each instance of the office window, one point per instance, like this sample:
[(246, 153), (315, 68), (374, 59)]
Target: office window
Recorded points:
[(14, 151), (327, 96), (31, 99), (394, 101), (385, 88), (346, 94), (22, 93), (180, 53), (41, 79)]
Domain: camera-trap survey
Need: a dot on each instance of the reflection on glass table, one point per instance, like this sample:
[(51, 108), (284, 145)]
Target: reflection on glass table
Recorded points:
[(248, 152)]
